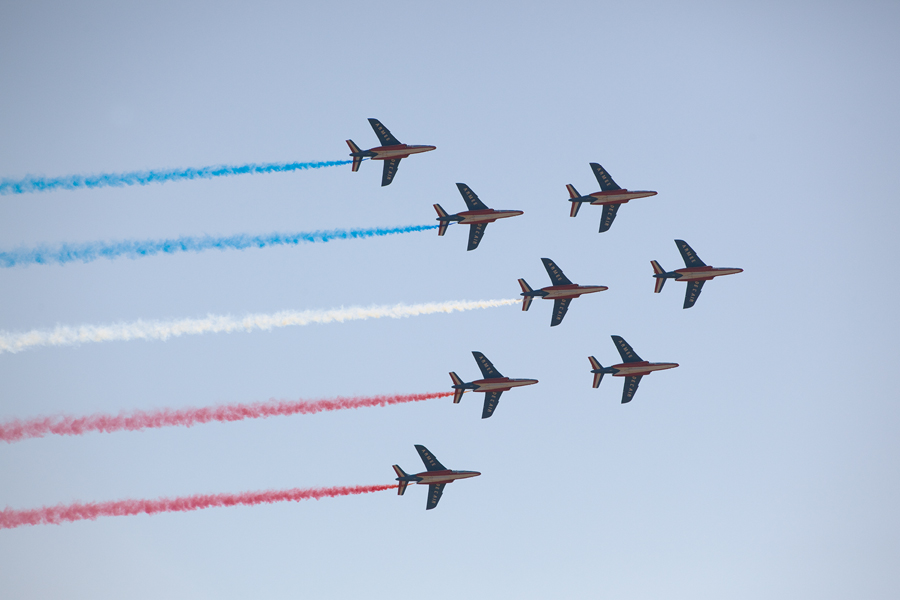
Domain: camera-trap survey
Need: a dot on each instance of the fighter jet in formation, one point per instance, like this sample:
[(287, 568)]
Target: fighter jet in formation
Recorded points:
[(561, 292), (695, 273), (390, 151), (610, 197), (477, 217), (492, 385), (435, 477), (632, 368)]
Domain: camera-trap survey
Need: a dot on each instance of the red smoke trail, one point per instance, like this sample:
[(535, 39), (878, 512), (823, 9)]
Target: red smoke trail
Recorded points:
[(15, 430), (62, 513)]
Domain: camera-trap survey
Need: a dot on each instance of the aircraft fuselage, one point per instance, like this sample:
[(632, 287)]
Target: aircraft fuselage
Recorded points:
[(498, 384), (618, 196), (702, 273), (448, 476), (559, 292), (389, 152), (471, 217), (639, 368)]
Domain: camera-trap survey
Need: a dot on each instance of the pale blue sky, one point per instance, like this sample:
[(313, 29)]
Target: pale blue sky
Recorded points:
[(764, 466)]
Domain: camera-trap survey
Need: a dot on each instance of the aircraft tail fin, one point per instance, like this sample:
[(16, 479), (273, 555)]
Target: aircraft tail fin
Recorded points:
[(442, 227), (526, 301), (457, 394), (573, 194), (595, 365), (402, 487), (357, 160), (660, 281)]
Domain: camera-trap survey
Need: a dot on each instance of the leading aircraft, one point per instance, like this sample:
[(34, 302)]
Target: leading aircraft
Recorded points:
[(436, 477), (492, 385), (561, 292), (390, 151), (632, 368), (477, 217), (695, 273), (610, 197)]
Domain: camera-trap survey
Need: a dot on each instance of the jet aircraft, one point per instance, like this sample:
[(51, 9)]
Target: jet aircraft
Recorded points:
[(695, 273), (477, 217), (632, 368), (435, 477), (561, 292), (492, 385), (610, 197), (390, 151)]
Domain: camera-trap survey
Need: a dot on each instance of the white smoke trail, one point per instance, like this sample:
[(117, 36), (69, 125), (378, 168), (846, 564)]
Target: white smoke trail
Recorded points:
[(163, 330)]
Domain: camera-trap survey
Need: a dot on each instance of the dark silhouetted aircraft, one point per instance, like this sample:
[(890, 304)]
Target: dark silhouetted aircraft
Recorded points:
[(694, 274), (390, 151), (561, 292), (436, 477), (477, 217), (492, 385), (610, 197), (632, 368)]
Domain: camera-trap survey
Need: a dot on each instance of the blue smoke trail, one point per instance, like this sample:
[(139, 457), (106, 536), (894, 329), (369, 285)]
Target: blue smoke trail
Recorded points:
[(77, 182), (91, 251)]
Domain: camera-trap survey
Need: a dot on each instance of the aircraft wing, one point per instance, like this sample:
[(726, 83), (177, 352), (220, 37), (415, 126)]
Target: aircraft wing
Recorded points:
[(435, 490), (491, 399), (606, 182), (555, 273), (609, 215), (428, 458), (390, 169), (687, 253), (631, 385), (476, 231), (692, 293), (487, 369), (384, 136), (560, 306), (628, 355), (471, 199)]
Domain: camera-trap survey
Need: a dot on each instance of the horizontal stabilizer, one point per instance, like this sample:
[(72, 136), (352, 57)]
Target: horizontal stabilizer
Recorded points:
[(402, 487), (596, 366), (353, 147), (573, 193), (526, 302)]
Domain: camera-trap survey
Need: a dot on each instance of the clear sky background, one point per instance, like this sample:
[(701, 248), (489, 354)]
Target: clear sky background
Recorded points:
[(766, 465)]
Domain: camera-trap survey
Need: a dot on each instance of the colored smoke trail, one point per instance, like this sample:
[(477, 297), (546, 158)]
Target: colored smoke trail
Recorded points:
[(91, 251), (162, 330), (80, 511), (14, 430), (76, 182)]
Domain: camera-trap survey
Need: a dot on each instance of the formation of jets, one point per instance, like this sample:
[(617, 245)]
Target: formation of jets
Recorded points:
[(562, 291)]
